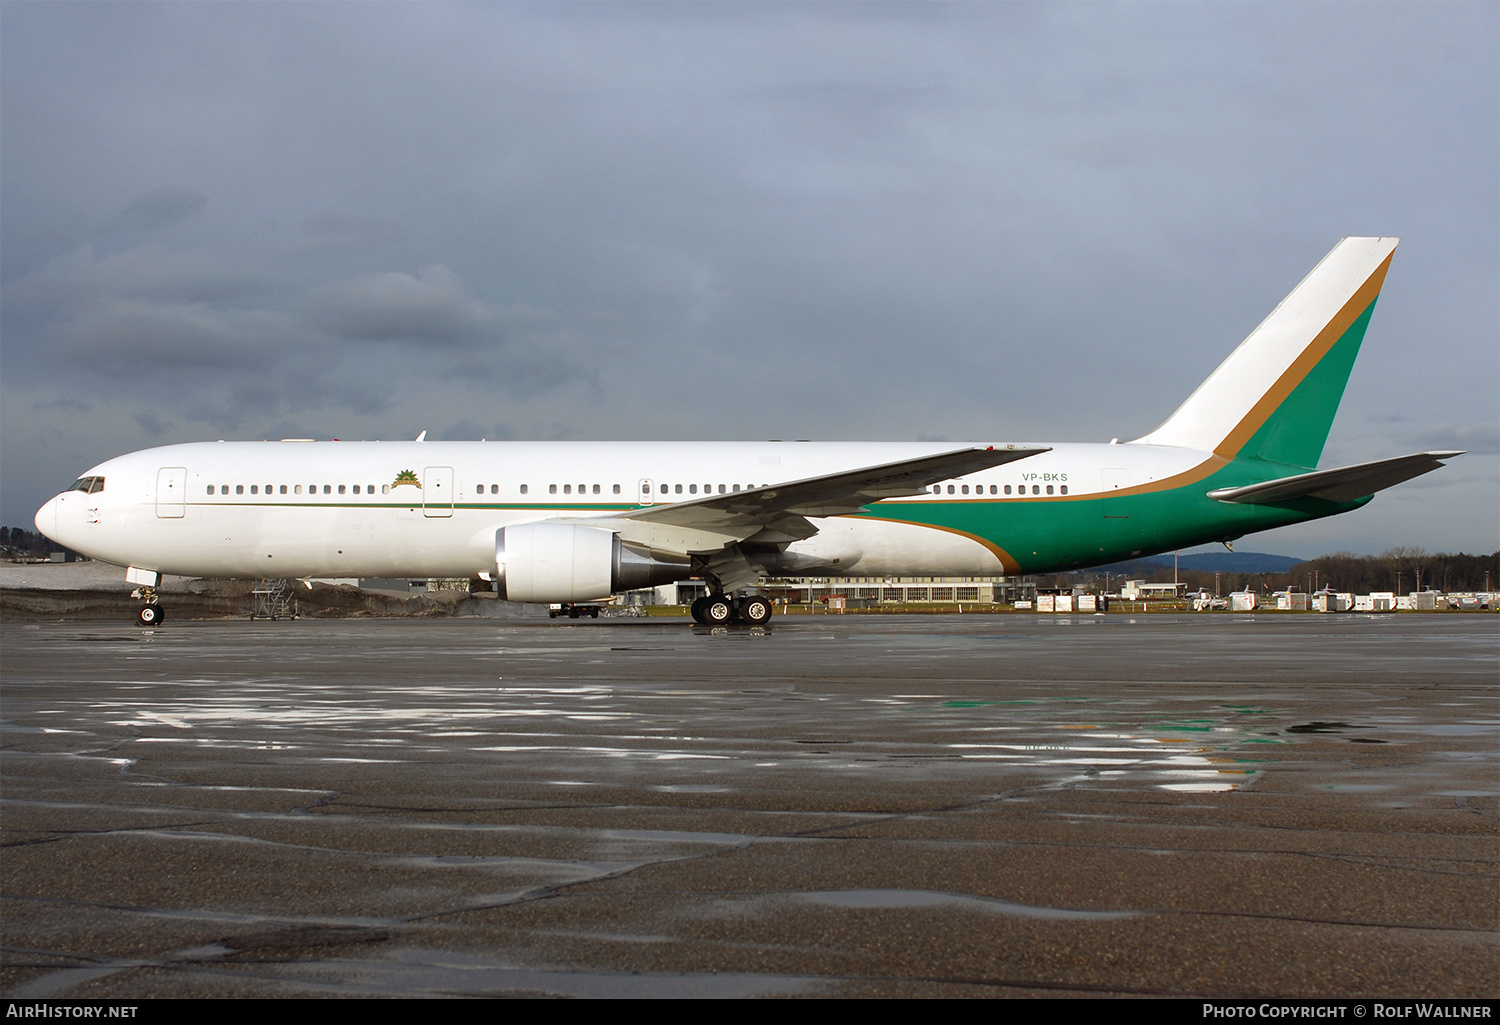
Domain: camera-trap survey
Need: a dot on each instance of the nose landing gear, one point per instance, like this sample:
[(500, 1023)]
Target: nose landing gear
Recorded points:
[(151, 613)]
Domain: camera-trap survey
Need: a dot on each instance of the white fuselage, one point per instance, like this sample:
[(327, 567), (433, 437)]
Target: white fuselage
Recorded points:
[(301, 509)]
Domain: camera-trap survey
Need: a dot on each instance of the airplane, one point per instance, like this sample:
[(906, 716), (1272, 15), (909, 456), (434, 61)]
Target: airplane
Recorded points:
[(571, 522)]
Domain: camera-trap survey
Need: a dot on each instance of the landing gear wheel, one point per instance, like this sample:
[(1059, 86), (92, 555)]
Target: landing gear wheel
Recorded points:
[(696, 610), (755, 610), (718, 611), (150, 615)]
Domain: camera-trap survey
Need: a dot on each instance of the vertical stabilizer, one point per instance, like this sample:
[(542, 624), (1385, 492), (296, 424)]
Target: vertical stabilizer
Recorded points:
[(1275, 396)]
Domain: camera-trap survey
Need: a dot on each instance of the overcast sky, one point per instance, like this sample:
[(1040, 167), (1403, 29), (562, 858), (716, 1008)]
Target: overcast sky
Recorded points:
[(840, 221)]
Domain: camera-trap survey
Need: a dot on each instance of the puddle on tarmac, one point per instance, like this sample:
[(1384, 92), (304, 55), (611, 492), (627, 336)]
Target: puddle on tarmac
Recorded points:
[(889, 899), (417, 972)]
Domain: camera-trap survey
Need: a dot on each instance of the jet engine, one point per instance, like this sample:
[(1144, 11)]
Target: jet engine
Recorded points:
[(558, 562)]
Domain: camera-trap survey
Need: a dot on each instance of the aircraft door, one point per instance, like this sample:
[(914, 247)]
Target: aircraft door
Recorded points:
[(1113, 479), (647, 492), (171, 492), (437, 491)]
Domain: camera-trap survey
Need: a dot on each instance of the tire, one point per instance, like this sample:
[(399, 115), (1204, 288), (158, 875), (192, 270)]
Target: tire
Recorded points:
[(696, 610), (150, 615), (593, 613), (755, 610), (718, 611), (573, 613)]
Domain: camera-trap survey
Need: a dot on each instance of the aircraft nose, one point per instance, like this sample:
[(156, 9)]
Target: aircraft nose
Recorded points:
[(46, 519)]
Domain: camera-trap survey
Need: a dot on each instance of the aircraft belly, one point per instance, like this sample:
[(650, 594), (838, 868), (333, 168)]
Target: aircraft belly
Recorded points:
[(250, 541)]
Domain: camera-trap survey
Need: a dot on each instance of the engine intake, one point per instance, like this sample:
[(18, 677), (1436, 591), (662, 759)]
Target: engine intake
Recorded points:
[(557, 562)]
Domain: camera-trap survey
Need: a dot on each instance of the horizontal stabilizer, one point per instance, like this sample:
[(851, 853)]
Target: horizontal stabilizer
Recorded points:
[(1342, 484)]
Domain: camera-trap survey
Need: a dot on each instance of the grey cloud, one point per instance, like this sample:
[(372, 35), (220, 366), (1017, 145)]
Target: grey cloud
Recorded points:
[(66, 403), (152, 272), (157, 341), (432, 307), (1476, 439), (328, 223), (160, 208), (151, 423)]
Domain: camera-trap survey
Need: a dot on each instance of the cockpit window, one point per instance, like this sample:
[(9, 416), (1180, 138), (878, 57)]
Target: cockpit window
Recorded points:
[(90, 485)]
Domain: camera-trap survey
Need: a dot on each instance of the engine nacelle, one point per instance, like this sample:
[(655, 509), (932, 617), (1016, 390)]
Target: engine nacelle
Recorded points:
[(557, 562)]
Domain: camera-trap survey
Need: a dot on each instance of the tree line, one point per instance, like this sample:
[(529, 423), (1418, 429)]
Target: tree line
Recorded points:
[(1401, 570)]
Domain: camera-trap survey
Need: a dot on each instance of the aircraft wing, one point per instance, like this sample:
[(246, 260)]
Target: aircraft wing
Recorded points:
[(778, 512), (1341, 484)]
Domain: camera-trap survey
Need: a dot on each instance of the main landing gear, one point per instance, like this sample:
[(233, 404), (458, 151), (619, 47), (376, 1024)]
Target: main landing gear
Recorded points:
[(720, 610), (151, 613)]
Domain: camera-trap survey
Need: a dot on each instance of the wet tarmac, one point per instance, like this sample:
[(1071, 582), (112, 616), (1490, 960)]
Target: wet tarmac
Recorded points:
[(894, 806)]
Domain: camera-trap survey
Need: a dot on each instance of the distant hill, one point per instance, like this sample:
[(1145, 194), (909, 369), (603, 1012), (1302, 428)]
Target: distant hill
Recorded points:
[(1207, 562)]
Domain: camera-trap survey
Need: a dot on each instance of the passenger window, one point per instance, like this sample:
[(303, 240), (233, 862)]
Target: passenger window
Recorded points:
[(269, 488), (964, 489), (721, 489), (385, 489), (567, 489), (356, 489), (327, 489), (283, 489), (692, 489), (210, 489), (239, 489), (369, 489), (994, 490), (523, 489), (494, 489), (1007, 489), (551, 489), (1036, 489), (596, 489), (252, 489), (951, 489), (1049, 489), (1065, 489), (341, 489), (617, 489), (736, 487), (298, 489)]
